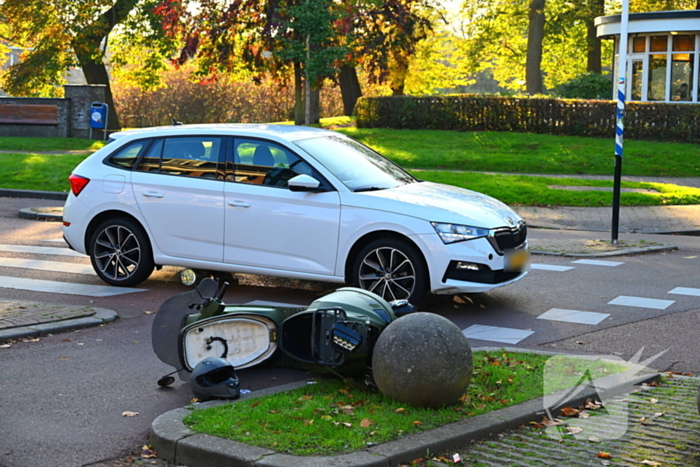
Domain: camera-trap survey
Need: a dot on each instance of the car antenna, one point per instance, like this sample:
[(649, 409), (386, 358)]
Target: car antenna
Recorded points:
[(175, 122)]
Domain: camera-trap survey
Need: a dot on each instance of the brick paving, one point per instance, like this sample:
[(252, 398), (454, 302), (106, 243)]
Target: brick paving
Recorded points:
[(16, 314), (652, 426)]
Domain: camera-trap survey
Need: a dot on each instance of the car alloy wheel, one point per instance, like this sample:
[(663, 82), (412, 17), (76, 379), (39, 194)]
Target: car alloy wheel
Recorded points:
[(120, 253), (392, 270)]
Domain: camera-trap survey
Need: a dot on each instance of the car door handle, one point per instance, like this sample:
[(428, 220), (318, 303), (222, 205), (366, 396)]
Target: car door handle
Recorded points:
[(152, 194), (239, 204)]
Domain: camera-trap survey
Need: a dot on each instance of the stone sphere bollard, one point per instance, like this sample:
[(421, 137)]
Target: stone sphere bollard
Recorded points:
[(422, 359)]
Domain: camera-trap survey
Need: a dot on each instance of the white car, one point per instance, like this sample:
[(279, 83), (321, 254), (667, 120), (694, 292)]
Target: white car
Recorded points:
[(286, 201)]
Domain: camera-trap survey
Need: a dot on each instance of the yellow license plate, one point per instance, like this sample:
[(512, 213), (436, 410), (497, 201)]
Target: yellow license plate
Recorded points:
[(516, 260)]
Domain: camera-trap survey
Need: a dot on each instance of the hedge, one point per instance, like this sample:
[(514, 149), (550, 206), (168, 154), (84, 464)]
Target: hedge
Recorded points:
[(574, 117)]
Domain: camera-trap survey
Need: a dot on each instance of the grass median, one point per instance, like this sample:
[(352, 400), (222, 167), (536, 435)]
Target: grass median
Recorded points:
[(333, 416)]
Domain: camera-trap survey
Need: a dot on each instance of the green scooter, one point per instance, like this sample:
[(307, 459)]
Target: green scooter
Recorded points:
[(335, 334)]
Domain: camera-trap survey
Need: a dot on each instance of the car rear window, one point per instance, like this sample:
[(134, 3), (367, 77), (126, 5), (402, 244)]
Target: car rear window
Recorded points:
[(127, 156)]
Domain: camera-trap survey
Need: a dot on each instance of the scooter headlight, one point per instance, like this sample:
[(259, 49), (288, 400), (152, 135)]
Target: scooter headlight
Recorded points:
[(188, 277)]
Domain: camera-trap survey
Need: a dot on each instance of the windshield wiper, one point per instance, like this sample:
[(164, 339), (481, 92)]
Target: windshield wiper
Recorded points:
[(368, 188)]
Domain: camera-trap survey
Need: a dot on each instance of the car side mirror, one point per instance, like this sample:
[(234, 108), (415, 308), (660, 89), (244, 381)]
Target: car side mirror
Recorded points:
[(303, 182)]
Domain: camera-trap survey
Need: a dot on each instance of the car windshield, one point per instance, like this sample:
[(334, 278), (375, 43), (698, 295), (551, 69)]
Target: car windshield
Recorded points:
[(357, 166)]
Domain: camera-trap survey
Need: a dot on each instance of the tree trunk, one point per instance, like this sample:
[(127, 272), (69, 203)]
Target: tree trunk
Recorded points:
[(315, 106), (593, 57), (349, 88), (533, 71), (298, 95), (96, 73)]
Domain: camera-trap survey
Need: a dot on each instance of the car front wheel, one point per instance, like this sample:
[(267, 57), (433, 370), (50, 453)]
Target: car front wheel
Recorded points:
[(393, 269), (121, 253)]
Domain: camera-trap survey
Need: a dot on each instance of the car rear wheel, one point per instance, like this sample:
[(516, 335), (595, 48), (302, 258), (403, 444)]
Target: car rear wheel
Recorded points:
[(393, 269), (121, 253)]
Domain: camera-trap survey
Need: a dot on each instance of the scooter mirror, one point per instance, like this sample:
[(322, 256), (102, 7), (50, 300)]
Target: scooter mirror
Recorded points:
[(166, 381)]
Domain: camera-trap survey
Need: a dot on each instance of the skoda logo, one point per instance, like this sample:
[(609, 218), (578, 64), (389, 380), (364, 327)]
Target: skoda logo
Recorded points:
[(510, 221)]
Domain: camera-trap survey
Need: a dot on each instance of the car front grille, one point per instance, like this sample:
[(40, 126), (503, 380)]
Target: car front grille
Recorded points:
[(509, 239)]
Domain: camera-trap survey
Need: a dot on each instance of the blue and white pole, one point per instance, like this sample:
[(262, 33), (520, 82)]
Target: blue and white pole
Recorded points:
[(620, 114)]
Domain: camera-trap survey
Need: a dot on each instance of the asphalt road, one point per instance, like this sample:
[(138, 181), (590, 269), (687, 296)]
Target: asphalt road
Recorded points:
[(63, 397)]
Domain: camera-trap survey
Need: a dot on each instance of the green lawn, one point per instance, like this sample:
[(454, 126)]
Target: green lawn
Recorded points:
[(334, 416), (436, 153)]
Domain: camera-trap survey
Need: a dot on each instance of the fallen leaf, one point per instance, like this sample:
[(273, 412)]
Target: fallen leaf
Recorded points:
[(644, 421), (416, 422), (326, 417), (308, 422), (5, 346), (129, 414), (653, 400), (148, 312), (648, 462), (569, 411), (580, 343), (536, 425), (658, 414), (553, 422), (365, 423), (574, 429), (583, 414), (254, 404), (399, 410), (148, 453), (604, 455), (690, 257), (592, 406), (347, 424), (594, 439), (306, 397)]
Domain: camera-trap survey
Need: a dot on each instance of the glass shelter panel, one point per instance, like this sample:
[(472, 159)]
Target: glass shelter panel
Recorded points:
[(681, 77), (684, 43), (636, 82), (639, 44), (658, 43), (657, 78)]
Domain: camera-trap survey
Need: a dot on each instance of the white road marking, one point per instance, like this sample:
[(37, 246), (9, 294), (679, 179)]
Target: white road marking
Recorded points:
[(56, 266), (496, 334), (41, 250), (550, 267), (686, 291), (573, 316), (56, 240), (641, 302), (69, 288), (596, 262)]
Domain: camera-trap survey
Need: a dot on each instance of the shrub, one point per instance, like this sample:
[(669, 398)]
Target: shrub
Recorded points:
[(587, 86), (220, 101)]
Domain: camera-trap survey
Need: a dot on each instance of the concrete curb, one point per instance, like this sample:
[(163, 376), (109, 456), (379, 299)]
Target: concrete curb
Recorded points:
[(629, 251), (34, 194), (37, 214), (101, 316), (178, 444)]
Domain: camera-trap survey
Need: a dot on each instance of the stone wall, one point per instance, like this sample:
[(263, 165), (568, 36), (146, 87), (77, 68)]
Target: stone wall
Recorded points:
[(73, 114)]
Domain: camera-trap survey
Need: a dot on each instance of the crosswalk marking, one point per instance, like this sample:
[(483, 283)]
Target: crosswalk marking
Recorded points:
[(641, 302), (686, 291), (36, 285), (41, 250), (573, 316), (596, 262), (54, 240), (75, 268), (496, 334), (550, 267)]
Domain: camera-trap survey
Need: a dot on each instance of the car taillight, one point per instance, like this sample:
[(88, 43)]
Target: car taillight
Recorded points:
[(77, 183)]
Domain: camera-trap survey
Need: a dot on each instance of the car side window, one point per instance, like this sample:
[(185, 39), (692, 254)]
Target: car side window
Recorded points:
[(127, 156), (265, 163), (192, 156)]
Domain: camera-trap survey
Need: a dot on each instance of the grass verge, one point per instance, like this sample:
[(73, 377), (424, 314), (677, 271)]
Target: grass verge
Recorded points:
[(37, 171), (334, 416)]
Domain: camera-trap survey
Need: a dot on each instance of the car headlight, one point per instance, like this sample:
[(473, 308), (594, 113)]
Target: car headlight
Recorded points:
[(451, 233)]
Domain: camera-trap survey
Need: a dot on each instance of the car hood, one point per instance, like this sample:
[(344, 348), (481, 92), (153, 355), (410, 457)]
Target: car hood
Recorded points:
[(436, 202)]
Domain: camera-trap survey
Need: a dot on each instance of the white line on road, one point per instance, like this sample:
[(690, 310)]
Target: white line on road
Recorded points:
[(573, 316), (550, 267), (641, 302), (41, 250), (496, 334), (56, 266), (69, 288), (686, 291), (596, 262)]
